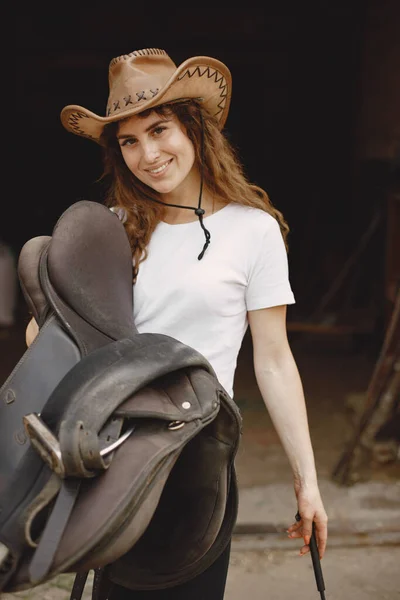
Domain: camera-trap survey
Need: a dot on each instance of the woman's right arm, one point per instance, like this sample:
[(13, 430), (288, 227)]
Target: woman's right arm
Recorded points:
[(31, 331)]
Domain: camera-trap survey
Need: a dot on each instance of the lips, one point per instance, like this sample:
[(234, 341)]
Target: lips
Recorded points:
[(160, 168)]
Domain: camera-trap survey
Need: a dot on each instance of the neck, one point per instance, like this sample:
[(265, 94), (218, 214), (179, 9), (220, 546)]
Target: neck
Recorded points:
[(174, 215), (187, 194)]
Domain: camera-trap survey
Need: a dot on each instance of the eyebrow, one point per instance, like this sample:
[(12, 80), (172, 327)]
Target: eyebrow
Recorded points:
[(123, 136)]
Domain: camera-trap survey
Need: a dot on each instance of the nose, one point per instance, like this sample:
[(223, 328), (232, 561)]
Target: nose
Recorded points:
[(151, 151)]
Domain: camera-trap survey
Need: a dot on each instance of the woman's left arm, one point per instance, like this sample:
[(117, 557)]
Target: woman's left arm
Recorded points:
[(281, 388)]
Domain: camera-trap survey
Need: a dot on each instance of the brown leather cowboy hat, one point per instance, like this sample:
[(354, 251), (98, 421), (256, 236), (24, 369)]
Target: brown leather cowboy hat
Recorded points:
[(147, 78)]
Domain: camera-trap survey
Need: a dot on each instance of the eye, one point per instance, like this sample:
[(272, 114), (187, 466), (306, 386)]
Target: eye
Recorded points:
[(159, 129), (128, 142)]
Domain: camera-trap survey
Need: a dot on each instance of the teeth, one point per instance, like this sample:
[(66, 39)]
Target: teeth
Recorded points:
[(159, 168)]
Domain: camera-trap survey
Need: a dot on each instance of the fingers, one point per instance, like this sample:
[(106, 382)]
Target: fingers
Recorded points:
[(31, 331), (295, 531), (321, 535), (321, 532), (304, 550), (297, 534), (303, 529), (295, 527), (307, 530), (321, 549)]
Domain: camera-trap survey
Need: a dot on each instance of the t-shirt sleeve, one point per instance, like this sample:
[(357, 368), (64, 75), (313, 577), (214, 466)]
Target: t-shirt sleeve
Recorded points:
[(268, 282)]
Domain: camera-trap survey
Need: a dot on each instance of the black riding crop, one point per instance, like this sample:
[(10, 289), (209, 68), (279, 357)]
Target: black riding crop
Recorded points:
[(315, 560)]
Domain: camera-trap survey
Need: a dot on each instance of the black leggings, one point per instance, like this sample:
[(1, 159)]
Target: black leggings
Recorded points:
[(209, 585)]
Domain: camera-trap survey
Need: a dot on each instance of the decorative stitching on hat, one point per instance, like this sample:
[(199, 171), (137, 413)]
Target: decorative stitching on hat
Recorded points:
[(143, 95), (217, 76), (128, 100), (143, 52), (73, 122)]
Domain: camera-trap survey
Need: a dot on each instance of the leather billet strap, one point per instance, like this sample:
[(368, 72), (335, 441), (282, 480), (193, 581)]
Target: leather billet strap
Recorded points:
[(79, 585), (52, 533), (101, 586)]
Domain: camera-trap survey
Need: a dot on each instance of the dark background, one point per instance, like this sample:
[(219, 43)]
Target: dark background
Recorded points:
[(296, 95)]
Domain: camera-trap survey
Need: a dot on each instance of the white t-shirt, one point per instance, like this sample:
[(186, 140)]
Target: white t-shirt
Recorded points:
[(204, 303)]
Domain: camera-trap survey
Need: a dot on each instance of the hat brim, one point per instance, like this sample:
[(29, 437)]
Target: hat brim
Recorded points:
[(200, 77)]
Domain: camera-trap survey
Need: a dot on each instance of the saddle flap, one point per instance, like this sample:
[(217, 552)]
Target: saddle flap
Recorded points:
[(194, 518), (90, 242), (172, 397)]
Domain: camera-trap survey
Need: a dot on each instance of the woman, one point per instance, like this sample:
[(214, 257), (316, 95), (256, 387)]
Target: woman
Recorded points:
[(209, 252)]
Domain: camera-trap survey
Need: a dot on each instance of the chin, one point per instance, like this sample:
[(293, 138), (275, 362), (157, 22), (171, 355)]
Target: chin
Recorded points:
[(164, 189)]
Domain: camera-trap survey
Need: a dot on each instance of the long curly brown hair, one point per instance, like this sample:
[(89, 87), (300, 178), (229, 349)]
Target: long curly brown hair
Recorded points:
[(223, 176)]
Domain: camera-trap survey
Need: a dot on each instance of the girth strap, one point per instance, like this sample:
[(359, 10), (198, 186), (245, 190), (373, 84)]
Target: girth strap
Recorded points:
[(100, 589), (52, 533), (79, 585)]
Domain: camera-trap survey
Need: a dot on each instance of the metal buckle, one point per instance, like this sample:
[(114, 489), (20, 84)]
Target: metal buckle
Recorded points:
[(175, 425), (117, 443), (48, 447), (44, 442), (4, 557)]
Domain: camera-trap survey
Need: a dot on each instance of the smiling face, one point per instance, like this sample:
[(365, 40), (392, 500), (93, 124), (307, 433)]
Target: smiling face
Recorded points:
[(157, 151)]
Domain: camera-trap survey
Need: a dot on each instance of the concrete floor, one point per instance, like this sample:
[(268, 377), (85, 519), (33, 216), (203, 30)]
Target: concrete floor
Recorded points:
[(349, 573), (364, 546)]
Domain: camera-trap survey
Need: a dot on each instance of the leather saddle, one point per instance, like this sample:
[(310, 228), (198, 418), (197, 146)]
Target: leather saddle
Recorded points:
[(116, 448)]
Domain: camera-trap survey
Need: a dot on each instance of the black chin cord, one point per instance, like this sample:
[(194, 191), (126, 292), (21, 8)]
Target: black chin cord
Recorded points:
[(199, 212)]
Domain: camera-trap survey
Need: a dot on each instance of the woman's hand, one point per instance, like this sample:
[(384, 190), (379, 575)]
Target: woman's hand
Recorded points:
[(311, 511), (31, 331)]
